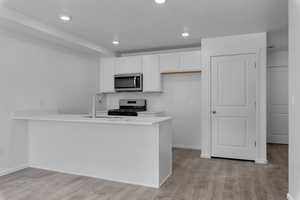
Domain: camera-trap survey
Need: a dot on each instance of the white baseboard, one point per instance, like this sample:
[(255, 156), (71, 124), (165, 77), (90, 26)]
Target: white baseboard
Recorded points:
[(257, 161), (278, 139), (205, 156), (12, 170), (186, 147), (92, 176), (289, 197), (261, 161), (165, 179)]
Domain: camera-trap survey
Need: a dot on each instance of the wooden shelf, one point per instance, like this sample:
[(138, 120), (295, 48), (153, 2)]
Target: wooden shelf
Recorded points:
[(187, 72)]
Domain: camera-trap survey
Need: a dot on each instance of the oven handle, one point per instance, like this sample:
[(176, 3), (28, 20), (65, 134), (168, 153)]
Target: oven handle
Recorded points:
[(135, 82)]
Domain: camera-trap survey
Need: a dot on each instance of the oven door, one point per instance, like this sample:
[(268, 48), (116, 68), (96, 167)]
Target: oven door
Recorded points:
[(128, 82)]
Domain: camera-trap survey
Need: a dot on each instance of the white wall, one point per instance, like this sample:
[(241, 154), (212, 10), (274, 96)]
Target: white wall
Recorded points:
[(279, 39), (278, 97), (294, 99), (278, 58), (181, 100), (35, 75)]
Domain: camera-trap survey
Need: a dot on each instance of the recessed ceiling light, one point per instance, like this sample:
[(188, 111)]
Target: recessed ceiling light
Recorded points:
[(116, 42), (160, 1), (65, 18), (185, 34)]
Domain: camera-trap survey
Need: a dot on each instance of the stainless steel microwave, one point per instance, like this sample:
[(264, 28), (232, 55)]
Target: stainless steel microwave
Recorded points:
[(129, 82)]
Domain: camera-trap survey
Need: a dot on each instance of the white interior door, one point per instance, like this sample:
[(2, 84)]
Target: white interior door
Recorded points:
[(278, 122), (233, 106)]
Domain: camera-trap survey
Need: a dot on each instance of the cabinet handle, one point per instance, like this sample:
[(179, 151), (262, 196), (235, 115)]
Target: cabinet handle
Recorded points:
[(214, 112)]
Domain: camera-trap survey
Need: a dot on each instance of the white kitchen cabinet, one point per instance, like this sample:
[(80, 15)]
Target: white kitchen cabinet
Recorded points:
[(151, 74), (180, 62), (190, 61), (126, 65), (107, 71), (150, 65), (169, 62)]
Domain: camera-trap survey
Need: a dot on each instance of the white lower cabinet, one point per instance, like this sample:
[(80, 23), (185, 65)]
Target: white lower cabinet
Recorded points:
[(107, 71), (151, 74)]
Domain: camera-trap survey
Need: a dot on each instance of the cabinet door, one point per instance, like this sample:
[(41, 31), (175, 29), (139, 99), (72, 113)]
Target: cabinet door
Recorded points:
[(107, 71), (127, 65), (151, 74), (170, 62), (190, 61)]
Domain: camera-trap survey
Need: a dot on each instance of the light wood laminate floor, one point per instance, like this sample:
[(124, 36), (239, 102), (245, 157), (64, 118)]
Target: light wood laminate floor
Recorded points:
[(193, 178)]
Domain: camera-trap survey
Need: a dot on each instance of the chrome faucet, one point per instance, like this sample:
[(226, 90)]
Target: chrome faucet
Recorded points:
[(96, 98), (94, 107)]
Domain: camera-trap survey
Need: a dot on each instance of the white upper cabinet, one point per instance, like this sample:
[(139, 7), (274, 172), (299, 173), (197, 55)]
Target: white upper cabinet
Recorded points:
[(190, 61), (169, 62), (107, 71), (150, 65), (125, 65), (180, 62), (151, 74)]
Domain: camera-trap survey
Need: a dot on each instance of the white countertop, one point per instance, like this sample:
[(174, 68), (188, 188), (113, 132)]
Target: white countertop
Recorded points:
[(85, 119), (140, 112)]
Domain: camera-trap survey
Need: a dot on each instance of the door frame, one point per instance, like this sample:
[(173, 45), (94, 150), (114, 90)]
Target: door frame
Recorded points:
[(236, 45)]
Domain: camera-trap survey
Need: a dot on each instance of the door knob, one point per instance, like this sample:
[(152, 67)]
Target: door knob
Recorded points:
[(214, 112)]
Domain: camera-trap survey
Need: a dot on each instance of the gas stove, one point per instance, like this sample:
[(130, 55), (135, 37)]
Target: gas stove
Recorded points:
[(129, 107), (122, 112)]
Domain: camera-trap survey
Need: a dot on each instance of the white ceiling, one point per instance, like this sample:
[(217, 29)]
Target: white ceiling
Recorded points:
[(142, 24)]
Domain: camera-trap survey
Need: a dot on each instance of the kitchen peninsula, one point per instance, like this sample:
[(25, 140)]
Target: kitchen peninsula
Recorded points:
[(134, 150)]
